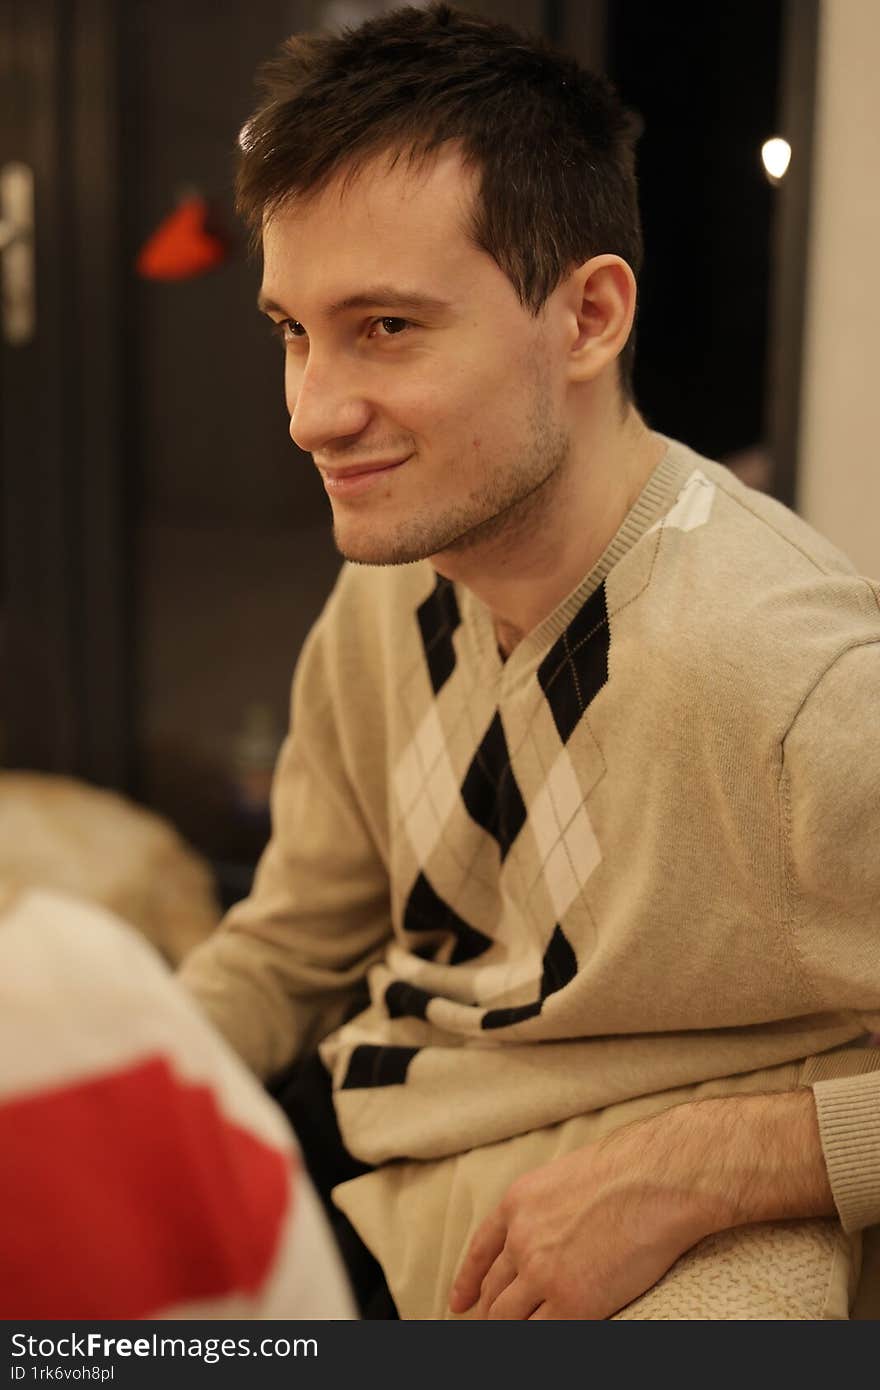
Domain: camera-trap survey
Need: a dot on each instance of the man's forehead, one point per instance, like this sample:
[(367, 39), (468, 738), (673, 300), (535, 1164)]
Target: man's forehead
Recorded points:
[(338, 274), (345, 239)]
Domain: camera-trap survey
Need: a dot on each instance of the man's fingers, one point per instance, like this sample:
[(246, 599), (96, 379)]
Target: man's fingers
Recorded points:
[(541, 1314), (515, 1303), (501, 1274), (483, 1251)]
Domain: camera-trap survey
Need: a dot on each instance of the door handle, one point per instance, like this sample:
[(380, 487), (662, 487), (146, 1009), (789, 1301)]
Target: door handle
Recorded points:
[(17, 279)]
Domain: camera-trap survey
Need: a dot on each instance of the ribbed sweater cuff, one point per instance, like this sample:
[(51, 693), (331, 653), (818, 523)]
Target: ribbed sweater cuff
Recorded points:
[(849, 1126)]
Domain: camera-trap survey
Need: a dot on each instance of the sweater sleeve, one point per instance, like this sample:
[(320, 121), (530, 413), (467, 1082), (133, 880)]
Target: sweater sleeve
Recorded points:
[(831, 791), (281, 970)]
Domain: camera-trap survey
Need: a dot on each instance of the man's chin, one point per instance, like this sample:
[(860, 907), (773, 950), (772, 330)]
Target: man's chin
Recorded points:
[(377, 550), (454, 534)]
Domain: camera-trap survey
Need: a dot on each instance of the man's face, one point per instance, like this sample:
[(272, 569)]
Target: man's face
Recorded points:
[(431, 401)]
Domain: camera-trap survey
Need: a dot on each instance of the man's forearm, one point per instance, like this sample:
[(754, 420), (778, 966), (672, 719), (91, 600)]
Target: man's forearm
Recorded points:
[(750, 1158)]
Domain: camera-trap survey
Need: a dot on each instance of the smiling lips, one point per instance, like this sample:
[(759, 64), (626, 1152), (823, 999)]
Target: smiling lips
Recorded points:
[(344, 482)]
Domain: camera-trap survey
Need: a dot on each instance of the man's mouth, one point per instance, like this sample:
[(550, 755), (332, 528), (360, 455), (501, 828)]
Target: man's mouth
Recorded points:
[(358, 477)]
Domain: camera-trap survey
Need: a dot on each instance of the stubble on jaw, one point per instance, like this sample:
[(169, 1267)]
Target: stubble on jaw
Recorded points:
[(513, 503)]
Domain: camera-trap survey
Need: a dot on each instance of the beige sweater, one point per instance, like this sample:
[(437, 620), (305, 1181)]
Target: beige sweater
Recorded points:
[(640, 856)]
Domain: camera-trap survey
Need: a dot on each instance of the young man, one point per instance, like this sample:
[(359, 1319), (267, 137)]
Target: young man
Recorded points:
[(582, 772)]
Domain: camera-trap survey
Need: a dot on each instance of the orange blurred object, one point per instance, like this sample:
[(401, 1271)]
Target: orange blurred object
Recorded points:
[(182, 245)]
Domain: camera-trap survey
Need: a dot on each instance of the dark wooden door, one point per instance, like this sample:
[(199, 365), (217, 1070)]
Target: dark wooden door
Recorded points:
[(64, 650)]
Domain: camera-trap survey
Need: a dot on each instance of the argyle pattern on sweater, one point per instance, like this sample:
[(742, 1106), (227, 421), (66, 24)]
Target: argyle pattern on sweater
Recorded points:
[(458, 797), (461, 787)]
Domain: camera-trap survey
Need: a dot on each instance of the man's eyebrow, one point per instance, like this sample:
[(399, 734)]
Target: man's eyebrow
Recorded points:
[(376, 296), (389, 297), (267, 305)]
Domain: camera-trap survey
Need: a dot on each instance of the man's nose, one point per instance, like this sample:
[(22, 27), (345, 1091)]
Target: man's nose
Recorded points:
[(325, 404)]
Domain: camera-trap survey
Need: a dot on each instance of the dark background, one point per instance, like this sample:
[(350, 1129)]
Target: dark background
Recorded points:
[(705, 79)]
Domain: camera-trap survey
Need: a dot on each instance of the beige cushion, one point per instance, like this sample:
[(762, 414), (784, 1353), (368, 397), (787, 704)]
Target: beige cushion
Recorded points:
[(57, 832)]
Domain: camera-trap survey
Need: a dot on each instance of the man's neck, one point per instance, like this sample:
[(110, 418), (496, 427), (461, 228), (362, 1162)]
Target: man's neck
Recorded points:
[(526, 571)]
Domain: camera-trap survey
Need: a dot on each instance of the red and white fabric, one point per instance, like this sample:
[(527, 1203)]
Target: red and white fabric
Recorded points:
[(143, 1171)]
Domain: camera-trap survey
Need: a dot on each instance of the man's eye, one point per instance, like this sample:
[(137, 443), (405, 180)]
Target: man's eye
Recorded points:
[(288, 330), (391, 326)]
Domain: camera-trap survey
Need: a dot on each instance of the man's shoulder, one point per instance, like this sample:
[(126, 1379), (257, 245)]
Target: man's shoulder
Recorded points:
[(739, 593), (774, 535), (740, 550), (723, 515)]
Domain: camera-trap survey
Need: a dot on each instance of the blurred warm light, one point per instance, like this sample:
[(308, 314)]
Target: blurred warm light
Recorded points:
[(776, 155)]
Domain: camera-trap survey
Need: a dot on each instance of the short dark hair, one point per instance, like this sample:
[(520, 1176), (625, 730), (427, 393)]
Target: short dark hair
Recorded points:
[(552, 142)]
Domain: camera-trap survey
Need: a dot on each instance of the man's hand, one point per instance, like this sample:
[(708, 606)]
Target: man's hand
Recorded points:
[(587, 1233)]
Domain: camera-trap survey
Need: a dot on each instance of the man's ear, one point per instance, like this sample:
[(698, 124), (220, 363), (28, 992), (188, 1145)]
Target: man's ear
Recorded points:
[(601, 295)]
